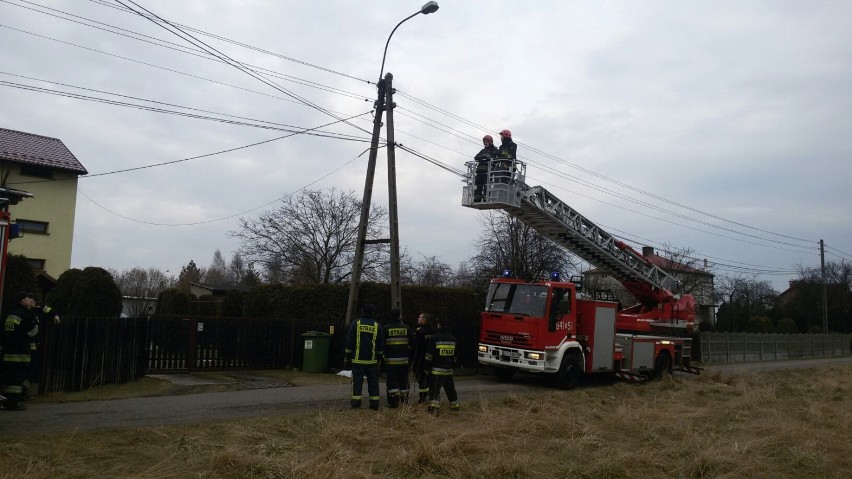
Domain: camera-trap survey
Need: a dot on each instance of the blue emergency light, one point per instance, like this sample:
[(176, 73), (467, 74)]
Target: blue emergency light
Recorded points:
[(507, 273), (555, 276)]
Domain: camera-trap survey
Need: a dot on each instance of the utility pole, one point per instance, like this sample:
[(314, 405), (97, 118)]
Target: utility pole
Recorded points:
[(358, 262), (824, 294), (385, 89), (396, 286)]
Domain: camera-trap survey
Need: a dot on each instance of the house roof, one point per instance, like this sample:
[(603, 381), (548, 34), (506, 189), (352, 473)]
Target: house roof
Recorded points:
[(665, 264), (30, 149)]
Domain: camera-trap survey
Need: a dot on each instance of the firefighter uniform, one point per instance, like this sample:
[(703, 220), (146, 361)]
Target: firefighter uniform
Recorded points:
[(19, 329), (440, 357), (397, 336), (422, 336), (364, 348)]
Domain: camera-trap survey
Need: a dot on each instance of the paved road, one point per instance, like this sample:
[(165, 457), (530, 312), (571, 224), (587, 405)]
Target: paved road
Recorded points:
[(68, 418)]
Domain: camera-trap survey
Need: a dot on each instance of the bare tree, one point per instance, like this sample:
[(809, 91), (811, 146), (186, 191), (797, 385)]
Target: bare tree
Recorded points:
[(506, 242), (141, 287), (217, 273), (311, 238), (430, 271), (741, 299)]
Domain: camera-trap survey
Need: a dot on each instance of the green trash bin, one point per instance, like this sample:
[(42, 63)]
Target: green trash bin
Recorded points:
[(315, 359)]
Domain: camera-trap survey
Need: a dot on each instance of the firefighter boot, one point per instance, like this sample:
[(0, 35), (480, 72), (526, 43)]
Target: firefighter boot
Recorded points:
[(374, 403), (393, 400), (434, 407), (454, 406), (423, 397)]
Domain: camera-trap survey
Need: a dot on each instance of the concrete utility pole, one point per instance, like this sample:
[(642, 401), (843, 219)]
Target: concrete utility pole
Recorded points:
[(383, 101), (824, 294)]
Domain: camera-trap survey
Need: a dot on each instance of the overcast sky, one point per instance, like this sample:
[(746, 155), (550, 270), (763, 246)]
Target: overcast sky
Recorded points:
[(721, 127)]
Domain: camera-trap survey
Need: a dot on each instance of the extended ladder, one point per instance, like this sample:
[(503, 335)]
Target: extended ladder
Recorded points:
[(504, 188)]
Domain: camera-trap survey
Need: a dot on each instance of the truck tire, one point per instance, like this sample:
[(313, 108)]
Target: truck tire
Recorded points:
[(662, 365), (504, 374), (570, 371)]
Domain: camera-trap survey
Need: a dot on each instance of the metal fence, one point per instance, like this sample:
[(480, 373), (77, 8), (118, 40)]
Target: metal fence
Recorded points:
[(746, 347), (84, 352)]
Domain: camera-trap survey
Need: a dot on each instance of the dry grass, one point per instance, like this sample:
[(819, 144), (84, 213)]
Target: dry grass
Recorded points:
[(777, 424)]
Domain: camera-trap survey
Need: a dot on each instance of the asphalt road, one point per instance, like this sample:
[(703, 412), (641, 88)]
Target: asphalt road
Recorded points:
[(68, 418)]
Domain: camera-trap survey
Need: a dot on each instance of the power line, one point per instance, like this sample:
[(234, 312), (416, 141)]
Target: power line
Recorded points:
[(197, 52), (244, 45), (224, 217), (212, 51)]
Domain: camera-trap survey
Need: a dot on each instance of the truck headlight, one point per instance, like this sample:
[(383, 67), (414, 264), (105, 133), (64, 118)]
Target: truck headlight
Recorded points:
[(483, 349), (534, 356)]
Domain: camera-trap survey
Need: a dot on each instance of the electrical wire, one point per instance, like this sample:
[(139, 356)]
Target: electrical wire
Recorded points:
[(196, 223), (544, 154), (197, 52)]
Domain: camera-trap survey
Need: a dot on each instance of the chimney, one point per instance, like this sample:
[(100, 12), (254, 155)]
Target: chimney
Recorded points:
[(647, 251)]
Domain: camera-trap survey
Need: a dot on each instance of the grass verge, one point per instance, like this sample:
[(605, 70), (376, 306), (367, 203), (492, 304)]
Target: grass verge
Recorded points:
[(775, 424)]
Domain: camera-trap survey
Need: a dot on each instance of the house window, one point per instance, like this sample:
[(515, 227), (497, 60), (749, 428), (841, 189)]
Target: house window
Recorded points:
[(36, 264), (37, 171), (30, 226)]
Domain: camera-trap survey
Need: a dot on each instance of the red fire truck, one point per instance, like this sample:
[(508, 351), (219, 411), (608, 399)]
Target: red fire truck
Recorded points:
[(553, 327)]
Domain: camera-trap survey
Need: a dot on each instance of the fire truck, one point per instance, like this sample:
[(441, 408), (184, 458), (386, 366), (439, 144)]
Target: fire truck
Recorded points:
[(551, 326)]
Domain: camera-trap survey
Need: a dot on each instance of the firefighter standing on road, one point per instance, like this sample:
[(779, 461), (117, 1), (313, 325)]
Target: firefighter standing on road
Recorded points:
[(364, 347), (397, 351), (422, 336), (19, 329), (440, 357)]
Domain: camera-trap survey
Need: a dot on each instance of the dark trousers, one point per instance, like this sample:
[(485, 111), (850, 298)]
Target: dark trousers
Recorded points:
[(371, 372), (15, 376), (421, 375), (396, 381), (446, 382)]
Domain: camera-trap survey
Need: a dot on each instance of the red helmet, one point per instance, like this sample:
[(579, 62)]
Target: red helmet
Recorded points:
[(506, 134), (488, 139)]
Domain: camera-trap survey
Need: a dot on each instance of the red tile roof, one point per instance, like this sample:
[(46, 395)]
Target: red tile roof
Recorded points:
[(30, 149)]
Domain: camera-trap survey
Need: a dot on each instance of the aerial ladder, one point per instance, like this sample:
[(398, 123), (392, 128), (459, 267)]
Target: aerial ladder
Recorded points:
[(662, 308)]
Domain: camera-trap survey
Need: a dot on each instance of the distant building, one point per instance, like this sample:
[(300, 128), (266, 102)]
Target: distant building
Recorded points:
[(46, 168), (695, 281)]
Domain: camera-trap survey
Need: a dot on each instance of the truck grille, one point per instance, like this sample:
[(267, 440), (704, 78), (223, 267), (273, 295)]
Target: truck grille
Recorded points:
[(503, 338)]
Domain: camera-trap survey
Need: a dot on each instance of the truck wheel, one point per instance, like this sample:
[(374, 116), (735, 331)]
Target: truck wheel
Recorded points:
[(568, 376), (504, 374), (662, 365)]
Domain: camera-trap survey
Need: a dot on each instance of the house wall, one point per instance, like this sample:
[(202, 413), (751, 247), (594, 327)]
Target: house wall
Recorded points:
[(54, 202)]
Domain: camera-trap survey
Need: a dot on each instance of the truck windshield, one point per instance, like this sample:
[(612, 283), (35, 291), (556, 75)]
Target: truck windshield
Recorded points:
[(513, 298)]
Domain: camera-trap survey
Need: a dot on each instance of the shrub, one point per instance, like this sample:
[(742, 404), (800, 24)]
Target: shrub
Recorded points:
[(787, 326)]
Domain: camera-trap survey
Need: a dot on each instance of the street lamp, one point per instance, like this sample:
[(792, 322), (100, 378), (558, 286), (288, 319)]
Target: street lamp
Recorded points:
[(383, 89)]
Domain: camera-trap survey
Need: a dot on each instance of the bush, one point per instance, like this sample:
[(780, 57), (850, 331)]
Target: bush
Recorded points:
[(174, 301), (91, 292), (19, 277), (759, 324), (787, 326), (706, 326)]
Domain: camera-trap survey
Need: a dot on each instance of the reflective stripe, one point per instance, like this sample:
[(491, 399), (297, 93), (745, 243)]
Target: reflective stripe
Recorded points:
[(357, 398), (9, 389), (396, 341), (442, 372), (16, 358), (33, 331), (365, 361)]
